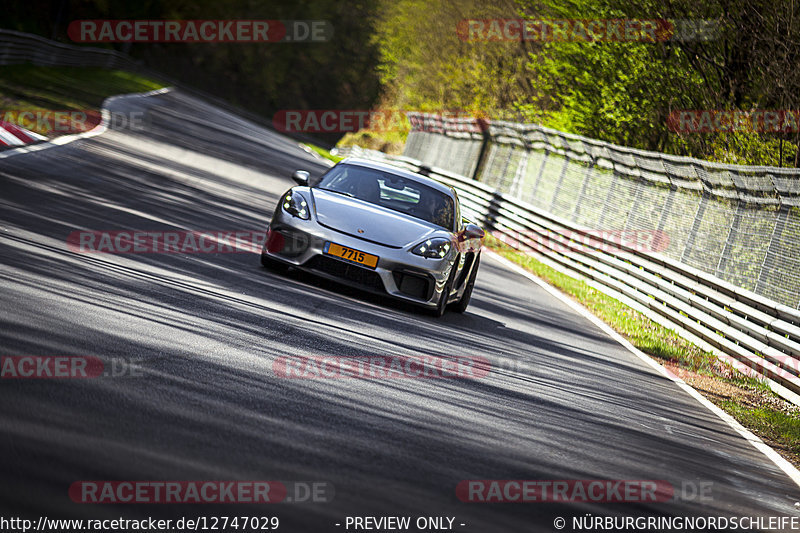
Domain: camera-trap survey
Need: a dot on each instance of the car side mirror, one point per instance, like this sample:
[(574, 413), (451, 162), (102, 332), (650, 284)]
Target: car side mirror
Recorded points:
[(301, 177), (471, 231)]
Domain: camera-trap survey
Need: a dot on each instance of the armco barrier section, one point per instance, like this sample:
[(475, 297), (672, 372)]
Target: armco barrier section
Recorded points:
[(740, 224), (19, 48), (758, 336)]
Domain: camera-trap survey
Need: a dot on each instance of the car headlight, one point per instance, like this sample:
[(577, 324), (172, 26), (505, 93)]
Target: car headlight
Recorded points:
[(295, 205), (435, 248)]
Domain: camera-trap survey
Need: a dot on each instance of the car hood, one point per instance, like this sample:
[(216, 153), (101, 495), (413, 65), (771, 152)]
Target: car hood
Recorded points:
[(369, 222)]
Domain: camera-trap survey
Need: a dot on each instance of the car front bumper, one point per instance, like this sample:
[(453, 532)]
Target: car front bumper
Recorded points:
[(399, 273)]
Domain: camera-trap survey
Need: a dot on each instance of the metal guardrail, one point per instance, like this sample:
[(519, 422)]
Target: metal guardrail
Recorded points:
[(758, 336), (740, 224), (19, 48)]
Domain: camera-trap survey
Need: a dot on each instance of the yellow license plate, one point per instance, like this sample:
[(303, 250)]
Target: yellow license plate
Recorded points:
[(351, 254)]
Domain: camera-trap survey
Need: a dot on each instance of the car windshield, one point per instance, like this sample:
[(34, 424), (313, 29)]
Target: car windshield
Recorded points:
[(391, 191)]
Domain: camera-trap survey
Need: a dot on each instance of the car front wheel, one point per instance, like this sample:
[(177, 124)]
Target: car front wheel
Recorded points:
[(461, 305), (441, 306)]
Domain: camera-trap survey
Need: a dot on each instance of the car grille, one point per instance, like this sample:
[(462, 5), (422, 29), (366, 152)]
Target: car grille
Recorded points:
[(294, 243), (363, 276)]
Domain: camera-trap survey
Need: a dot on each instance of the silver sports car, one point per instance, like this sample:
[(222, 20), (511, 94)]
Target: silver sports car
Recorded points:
[(380, 228)]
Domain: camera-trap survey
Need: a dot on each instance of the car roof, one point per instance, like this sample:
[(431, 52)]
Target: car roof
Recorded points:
[(424, 180)]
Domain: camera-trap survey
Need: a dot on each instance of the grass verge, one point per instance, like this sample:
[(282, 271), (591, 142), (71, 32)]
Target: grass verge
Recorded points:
[(323, 152), (748, 400), (774, 424), (30, 88)]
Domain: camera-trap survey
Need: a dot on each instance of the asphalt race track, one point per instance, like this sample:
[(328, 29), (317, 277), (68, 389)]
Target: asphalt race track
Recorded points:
[(201, 331)]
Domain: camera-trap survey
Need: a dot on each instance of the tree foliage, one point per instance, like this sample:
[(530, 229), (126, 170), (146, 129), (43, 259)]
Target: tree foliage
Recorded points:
[(264, 77), (407, 54), (622, 92), (425, 65)]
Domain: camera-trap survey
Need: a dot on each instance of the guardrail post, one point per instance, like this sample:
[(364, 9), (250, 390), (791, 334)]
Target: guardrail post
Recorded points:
[(545, 155), (487, 164), (609, 197), (698, 218), (461, 156), (559, 182), (509, 157), (519, 176), (490, 218), (730, 239), (637, 198), (667, 209), (480, 163), (582, 192), (409, 150), (772, 250)]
